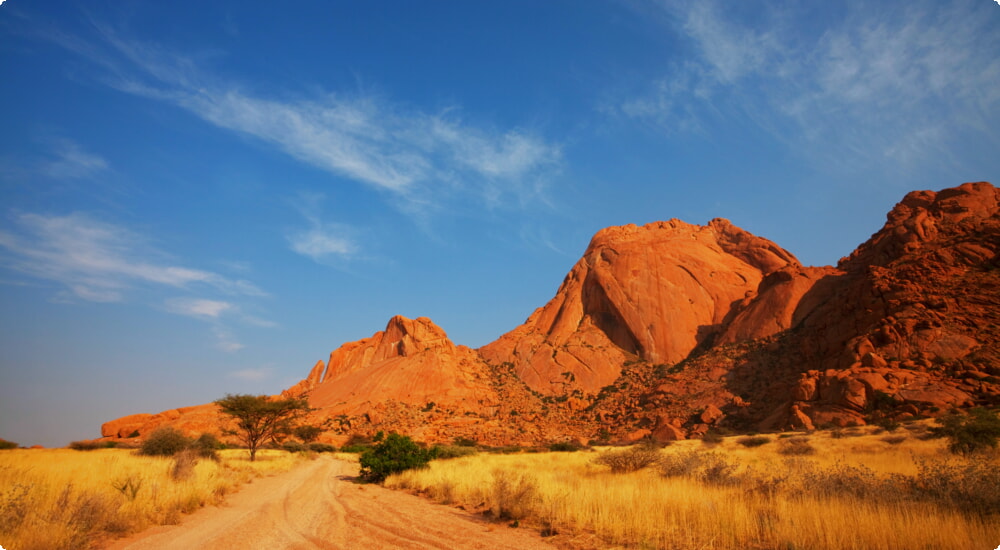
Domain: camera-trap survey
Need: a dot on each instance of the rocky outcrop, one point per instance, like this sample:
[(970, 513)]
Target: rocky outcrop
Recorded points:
[(666, 330), (411, 362), (655, 293), (192, 420)]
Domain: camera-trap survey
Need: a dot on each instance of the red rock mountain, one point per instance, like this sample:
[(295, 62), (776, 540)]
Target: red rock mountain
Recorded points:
[(667, 329)]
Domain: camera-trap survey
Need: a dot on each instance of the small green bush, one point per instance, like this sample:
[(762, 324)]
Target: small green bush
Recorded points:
[(754, 440), (394, 454), (293, 446), (973, 432), (86, 445), (164, 441), (307, 433), (4, 445), (564, 447), (318, 447), (444, 452), (207, 446)]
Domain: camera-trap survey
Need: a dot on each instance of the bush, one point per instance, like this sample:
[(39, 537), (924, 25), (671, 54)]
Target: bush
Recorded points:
[(86, 445), (4, 444), (716, 470), (396, 453), (970, 487), (164, 441), (754, 440), (680, 464), (796, 446), (967, 434), (712, 437), (317, 447), (184, 463), (207, 445), (307, 433), (564, 447), (631, 459), (894, 439), (293, 446), (464, 442), (514, 494), (444, 452)]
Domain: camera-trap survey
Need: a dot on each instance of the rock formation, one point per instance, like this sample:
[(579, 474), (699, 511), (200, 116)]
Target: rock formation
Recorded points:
[(669, 329)]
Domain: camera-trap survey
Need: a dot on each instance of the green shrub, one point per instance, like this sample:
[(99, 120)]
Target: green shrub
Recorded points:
[(392, 455), (318, 447), (307, 433), (207, 445), (4, 444), (976, 431), (164, 441), (564, 447), (444, 452), (754, 440), (505, 450), (293, 446), (86, 445), (630, 459)]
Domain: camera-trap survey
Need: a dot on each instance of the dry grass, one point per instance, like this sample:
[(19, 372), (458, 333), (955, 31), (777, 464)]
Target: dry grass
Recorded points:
[(53, 499), (858, 492)]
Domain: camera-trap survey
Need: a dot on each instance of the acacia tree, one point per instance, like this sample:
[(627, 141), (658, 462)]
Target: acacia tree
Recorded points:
[(260, 419)]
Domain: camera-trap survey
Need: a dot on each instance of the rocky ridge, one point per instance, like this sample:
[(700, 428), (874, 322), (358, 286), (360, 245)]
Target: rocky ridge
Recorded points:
[(666, 330)]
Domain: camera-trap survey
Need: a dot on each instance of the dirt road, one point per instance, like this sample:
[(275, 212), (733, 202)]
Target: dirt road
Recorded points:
[(318, 506)]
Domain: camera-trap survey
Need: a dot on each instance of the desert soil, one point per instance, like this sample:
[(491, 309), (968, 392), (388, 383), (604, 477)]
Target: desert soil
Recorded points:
[(319, 505)]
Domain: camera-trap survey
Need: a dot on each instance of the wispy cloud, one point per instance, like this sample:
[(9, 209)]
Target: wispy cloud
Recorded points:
[(252, 375), (198, 307), (72, 161), (878, 81), (416, 156), (98, 261), (321, 240), (226, 341)]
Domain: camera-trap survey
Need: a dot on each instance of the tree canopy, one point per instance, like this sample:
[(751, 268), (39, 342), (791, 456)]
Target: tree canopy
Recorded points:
[(261, 418)]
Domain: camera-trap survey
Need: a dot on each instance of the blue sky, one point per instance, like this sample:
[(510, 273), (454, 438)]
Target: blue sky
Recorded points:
[(201, 198)]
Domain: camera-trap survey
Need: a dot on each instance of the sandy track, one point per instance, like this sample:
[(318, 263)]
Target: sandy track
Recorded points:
[(318, 506)]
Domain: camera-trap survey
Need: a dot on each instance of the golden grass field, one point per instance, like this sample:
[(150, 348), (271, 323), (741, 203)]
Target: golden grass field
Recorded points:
[(53, 499), (852, 493)]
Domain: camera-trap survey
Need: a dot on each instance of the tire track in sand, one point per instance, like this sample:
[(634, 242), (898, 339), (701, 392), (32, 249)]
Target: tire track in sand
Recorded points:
[(317, 506)]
